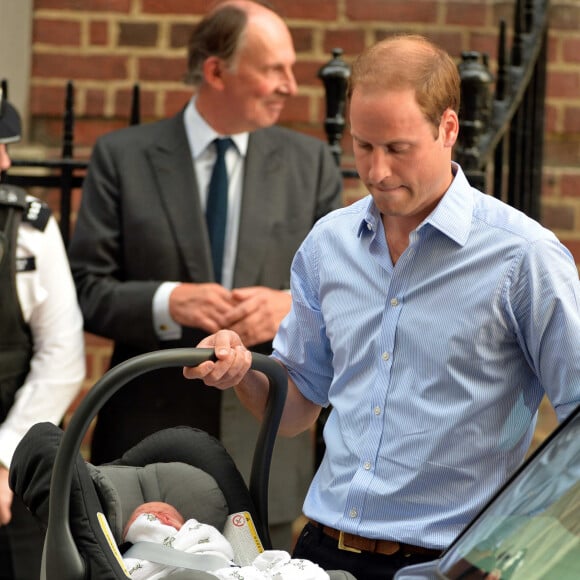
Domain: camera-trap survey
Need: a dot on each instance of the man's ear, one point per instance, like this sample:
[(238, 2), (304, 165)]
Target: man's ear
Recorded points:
[(449, 127), (213, 71)]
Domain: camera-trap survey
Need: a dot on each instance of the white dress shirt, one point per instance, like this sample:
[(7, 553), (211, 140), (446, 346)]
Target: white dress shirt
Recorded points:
[(200, 136), (49, 305)]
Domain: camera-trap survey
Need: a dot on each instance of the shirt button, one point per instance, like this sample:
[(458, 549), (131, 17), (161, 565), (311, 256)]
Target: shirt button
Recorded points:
[(369, 227), (367, 465), (386, 356), (394, 302), (377, 410), (353, 513)]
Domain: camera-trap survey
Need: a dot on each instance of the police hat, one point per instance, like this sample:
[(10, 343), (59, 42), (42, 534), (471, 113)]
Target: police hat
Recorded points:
[(9, 121)]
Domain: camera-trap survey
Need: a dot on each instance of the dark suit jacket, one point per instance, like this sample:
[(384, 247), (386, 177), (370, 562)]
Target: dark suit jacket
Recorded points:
[(140, 223)]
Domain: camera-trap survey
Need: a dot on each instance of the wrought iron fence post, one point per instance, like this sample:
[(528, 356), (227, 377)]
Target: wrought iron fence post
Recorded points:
[(66, 170), (474, 114), (334, 76)]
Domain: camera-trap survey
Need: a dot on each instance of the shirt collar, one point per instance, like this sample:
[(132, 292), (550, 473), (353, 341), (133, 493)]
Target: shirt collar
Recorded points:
[(200, 134), (452, 216), (371, 219)]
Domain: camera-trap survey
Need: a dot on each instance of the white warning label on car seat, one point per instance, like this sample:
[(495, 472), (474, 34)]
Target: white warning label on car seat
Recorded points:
[(241, 532)]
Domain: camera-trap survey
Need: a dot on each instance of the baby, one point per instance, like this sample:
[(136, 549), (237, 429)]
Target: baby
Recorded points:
[(161, 523), (160, 510)]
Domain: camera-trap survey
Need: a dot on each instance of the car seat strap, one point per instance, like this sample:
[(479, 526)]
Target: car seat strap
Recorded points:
[(177, 558)]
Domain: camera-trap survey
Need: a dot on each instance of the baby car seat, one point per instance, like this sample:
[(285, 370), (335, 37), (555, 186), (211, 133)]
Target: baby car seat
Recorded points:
[(86, 507)]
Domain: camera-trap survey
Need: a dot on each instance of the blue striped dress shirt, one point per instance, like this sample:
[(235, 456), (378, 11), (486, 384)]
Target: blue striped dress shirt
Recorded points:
[(435, 366)]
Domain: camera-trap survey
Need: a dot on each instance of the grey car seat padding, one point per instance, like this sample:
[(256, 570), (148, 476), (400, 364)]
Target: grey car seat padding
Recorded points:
[(193, 492)]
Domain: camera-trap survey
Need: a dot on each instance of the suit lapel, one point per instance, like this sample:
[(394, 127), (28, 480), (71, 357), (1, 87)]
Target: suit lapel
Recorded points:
[(180, 197), (259, 201)]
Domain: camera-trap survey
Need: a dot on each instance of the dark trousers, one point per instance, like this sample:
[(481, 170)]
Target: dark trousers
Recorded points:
[(314, 545), (21, 543)]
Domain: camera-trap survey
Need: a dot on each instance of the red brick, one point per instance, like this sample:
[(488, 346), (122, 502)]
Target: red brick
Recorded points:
[(47, 100), (179, 35), (48, 131), (570, 185), (573, 246), (99, 32), (306, 73), (95, 102), (86, 5), (161, 69), (306, 128), (138, 34), (504, 11), (302, 38), (550, 183), (124, 103), (311, 9), (485, 43), (175, 6), (87, 131), (571, 50), (558, 217), (57, 32), (572, 119), (559, 152), (466, 13), (550, 118), (296, 110), (72, 66), (392, 11), (352, 42), (564, 16), (450, 40), (175, 101), (563, 84), (553, 47)]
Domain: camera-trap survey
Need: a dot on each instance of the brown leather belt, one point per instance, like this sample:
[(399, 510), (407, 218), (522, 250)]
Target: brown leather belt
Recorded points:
[(358, 544)]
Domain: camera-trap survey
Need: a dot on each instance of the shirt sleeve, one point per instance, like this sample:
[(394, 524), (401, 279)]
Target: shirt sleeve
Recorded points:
[(543, 302), (165, 327), (301, 344), (49, 305)]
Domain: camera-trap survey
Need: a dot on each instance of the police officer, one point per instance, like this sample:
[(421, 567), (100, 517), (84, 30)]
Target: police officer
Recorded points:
[(42, 362)]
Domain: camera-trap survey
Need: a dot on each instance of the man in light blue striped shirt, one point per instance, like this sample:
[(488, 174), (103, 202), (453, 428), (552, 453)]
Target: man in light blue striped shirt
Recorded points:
[(432, 317)]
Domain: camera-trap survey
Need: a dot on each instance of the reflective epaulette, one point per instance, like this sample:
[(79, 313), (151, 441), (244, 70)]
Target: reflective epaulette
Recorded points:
[(36, 212)]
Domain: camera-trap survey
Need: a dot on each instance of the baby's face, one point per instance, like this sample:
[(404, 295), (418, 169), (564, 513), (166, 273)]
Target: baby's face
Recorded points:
[(164, 512)]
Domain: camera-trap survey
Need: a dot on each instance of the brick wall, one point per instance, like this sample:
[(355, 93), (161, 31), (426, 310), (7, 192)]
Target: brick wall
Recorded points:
[(105, 46)]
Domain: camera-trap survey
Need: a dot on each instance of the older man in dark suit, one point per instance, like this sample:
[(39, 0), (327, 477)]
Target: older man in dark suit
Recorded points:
[(141, 255)]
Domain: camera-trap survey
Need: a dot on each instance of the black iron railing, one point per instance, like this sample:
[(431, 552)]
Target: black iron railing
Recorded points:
[(65, 173), (501, 142)]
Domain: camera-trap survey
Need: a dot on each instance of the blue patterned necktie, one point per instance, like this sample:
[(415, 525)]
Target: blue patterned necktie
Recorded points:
[(216, 212)]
